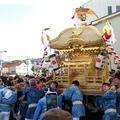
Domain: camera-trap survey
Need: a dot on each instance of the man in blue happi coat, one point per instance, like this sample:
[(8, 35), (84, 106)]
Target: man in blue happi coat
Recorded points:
[(7, 98), (42, 107), (118, 103), (108, 102), (33, 95), (23, 106), (74, 94), (115, 79)]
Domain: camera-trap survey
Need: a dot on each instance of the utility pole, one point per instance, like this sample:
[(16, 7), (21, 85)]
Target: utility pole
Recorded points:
[(1, 62)]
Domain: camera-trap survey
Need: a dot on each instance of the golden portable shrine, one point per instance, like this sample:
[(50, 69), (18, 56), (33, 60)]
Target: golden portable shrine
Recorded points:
[(79, 51)]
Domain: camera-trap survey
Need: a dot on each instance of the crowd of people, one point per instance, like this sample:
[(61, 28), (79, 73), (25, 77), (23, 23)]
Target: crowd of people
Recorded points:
[(24, 98)]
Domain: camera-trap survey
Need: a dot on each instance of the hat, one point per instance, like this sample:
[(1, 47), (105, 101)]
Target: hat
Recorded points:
[(56, 114)]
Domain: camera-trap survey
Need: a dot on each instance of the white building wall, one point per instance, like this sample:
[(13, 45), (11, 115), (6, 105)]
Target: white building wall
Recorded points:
[(12, 69), (5, 70), (24, 69), (21, 69), (101, 6), (30, 72)]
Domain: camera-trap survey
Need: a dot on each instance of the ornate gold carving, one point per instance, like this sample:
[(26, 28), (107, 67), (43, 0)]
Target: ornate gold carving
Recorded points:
[(83, 12)]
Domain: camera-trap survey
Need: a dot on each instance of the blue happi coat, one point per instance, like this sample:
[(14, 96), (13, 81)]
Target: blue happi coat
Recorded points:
[(33, 95), (74, 94), (7, 99), (23, 106), (108, 101), (118, 103)]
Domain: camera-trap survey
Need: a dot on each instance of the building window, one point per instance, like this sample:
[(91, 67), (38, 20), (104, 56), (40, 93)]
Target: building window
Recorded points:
[(118, 8), (109, 10)]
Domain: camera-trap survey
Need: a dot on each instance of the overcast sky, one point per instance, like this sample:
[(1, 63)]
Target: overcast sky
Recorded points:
[(21, 22)]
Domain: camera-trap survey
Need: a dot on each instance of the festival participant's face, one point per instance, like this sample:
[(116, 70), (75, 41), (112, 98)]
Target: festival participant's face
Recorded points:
[(115, 81), (105, 88)]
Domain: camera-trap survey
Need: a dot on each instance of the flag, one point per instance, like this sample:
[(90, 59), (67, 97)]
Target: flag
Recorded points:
[(53, 61), (109, 39), (45, 38), (100, 60), (109, 33)]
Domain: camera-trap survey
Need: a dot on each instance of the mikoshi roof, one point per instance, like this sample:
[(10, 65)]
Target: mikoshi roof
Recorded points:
[(85, 36)]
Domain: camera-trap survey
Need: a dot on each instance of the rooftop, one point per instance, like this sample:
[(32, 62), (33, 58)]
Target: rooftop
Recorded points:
[(106, 17), (12, 63)]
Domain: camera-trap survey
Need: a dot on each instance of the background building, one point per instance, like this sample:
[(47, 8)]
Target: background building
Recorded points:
[(104, 7), (16, 67)]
